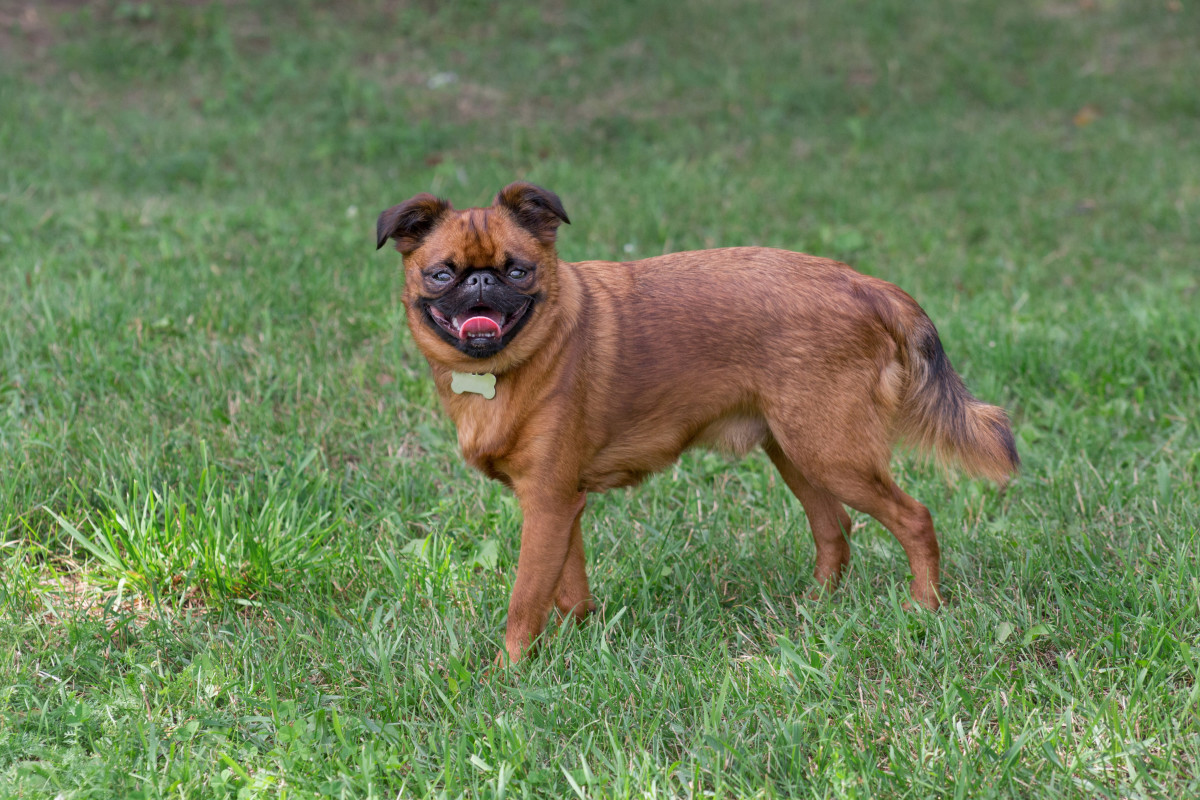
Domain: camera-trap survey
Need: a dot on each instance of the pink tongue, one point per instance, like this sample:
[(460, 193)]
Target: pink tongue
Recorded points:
[(480, 326)]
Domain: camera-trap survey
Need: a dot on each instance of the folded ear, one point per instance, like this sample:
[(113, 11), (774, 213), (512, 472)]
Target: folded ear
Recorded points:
[(409, 222), (537, 210)]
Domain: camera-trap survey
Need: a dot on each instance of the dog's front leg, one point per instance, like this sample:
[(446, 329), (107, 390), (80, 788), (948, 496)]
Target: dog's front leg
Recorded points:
[(572, 595), (545, 543)]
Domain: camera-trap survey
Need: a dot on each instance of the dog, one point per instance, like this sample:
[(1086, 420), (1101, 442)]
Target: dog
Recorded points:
[(569, 378)]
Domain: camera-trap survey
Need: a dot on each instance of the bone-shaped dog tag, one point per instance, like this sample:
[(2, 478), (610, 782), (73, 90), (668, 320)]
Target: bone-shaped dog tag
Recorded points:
[(484, 384)]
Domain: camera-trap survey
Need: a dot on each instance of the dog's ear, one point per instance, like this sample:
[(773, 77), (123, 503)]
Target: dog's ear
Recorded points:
[(409, 222), (537, 210)]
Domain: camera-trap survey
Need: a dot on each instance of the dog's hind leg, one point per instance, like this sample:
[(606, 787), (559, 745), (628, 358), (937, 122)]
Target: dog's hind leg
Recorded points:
[(827, 518), (875, 493), (850, 462)]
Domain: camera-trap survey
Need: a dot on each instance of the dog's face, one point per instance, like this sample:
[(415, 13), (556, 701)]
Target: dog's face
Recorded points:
[(475, 280)]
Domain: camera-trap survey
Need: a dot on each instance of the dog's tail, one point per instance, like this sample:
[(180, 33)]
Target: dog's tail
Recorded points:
[(938, 415)]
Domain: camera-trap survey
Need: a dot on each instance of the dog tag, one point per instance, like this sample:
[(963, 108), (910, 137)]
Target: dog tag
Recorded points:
[(484, 384)]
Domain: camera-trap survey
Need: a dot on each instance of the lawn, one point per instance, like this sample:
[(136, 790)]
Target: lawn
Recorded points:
[(240, 555)]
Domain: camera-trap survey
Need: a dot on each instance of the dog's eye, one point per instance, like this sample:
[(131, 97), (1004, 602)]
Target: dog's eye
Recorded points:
[(441, 276), (516, 273)]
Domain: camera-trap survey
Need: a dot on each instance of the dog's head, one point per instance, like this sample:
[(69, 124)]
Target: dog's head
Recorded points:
[(476, 279)]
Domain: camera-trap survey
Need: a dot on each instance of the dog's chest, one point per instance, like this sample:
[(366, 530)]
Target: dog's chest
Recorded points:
[(484, 435)]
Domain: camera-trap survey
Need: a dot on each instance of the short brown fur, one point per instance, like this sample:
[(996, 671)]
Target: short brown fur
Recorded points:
[(622, 366)]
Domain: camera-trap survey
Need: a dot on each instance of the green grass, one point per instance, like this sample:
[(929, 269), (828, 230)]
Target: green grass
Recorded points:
[(241, 557)]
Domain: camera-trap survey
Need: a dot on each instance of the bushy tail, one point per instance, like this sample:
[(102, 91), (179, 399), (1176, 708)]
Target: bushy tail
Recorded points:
[(939, 416)]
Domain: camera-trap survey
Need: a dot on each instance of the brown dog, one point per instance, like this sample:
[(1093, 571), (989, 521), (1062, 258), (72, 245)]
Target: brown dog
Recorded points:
[(565, 379)]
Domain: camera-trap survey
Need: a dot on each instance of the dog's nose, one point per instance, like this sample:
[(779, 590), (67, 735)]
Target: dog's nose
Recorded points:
[(481, 281)]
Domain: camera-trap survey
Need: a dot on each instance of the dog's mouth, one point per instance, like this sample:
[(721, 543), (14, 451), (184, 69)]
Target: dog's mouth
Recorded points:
[(479, 325)]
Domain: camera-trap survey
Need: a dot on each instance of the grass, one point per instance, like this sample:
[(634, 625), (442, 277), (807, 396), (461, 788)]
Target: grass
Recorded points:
[(241, 556)]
